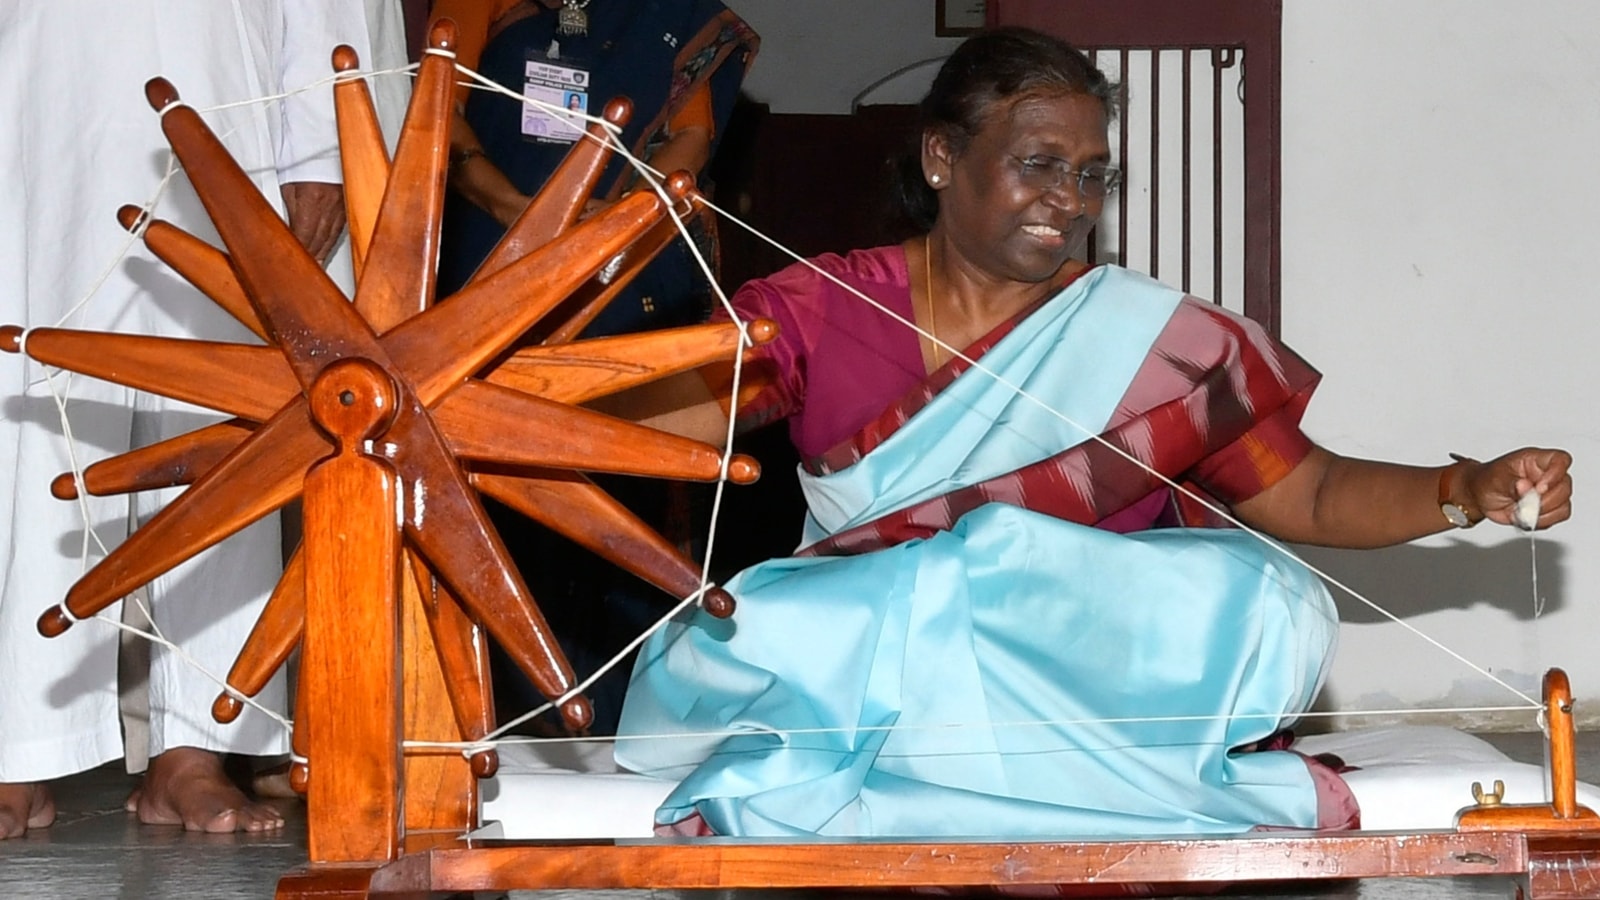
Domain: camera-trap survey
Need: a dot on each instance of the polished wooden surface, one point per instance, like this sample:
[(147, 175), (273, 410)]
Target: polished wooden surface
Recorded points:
[(1562, 813), (441, 792), (720, 863), (576, 373), (170, 463), (557, 208), (364, 158), (592, 298), (201, 264), (388, 659), (1562, 868), (274, 637), (351, 663), (461, 651), (249, 382)]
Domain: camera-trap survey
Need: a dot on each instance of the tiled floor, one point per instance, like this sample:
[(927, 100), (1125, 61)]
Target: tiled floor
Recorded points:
[(96, 850)]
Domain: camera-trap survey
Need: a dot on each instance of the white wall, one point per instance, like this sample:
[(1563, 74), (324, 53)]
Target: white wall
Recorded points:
[(1440, 233), (1441, 215)]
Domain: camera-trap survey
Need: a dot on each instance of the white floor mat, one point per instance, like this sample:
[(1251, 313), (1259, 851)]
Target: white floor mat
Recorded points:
[(1410, 778)]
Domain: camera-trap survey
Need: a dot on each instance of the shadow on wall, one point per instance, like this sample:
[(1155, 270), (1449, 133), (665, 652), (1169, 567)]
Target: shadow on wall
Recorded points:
[(1411, 580)]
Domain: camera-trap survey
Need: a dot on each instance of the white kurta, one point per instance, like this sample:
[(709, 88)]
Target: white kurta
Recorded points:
[(78, 141)]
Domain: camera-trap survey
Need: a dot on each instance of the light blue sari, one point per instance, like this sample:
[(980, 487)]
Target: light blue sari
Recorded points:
[(1016, 676)]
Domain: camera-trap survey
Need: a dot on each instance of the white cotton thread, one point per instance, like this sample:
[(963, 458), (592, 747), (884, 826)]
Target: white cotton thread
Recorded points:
[(162, 112), (61, 395), (1526, 517), (1533, 562), (320, 82), (653, 178), (976, 365), (613, 132), (155, 637), (491, 739), (491, 743)]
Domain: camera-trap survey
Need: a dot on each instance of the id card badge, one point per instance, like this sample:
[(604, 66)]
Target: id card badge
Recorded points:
[(564, 91)]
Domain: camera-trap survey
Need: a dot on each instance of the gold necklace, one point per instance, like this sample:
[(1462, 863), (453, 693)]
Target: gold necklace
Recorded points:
[(933, 321)]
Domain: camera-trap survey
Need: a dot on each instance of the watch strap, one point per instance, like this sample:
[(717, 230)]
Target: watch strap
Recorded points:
[(1455, 513)]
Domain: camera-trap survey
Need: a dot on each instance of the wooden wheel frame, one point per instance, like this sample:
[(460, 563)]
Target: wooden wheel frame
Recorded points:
[(389, 415)]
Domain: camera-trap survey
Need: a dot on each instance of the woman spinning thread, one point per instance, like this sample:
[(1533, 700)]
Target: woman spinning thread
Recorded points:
[(972, 561)]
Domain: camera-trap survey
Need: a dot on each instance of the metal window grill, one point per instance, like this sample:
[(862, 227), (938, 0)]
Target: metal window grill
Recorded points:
[(1198, 138)]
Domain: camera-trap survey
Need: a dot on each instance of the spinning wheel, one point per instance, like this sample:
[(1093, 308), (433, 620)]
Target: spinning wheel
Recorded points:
[(435, 392), (389, 415)]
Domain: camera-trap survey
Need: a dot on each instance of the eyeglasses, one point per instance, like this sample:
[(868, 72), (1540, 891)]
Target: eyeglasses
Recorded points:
[(1044, 173)]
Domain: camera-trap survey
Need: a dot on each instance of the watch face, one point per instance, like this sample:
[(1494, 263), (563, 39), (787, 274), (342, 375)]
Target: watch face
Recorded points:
[(1455, 515)]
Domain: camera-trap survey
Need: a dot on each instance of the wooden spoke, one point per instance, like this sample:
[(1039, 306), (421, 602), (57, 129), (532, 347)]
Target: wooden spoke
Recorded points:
[(572, 505), (300, 735), (557, 207), (499, 425), (170, 463), (245, 381), (362, 152), (463, 658), (453, 534), (403, 406), (595, 296), (274, 637), (200, 264), (304, 312), (582, 371), (399, 278), (263, 474), (459, 338)]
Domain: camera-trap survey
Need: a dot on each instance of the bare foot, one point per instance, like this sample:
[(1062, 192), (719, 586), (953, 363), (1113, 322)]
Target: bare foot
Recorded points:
[(187, 786), (24, 806)]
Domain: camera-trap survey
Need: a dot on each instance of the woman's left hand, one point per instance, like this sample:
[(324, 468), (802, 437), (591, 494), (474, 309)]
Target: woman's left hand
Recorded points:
[(1498, 484)]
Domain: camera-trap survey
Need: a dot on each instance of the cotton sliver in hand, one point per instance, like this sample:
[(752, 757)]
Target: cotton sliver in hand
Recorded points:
[(1526, 516)]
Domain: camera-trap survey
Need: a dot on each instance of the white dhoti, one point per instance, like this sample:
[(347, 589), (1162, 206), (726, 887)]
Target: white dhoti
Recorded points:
[(79, 141)]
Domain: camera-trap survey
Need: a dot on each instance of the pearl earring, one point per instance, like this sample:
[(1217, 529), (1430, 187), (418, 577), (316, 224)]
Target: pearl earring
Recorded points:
[(934, 179)]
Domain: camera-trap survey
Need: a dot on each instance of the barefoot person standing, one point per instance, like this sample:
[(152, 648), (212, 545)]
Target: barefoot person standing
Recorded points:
[(80, 143)]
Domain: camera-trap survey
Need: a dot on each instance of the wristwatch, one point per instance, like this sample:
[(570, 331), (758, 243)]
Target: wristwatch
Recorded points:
[(1455, 514)]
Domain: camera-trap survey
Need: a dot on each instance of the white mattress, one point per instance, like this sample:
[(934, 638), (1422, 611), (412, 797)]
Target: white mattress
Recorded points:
[(1411, 778)]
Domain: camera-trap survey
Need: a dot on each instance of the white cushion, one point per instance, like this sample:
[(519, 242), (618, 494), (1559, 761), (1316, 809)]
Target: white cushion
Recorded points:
[(1416, 778), (1411, 778)]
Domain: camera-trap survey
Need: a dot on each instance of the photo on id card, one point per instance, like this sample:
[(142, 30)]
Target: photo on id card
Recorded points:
[(564, 93)]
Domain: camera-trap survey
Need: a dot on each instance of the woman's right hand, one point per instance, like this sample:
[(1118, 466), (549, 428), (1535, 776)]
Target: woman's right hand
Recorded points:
[(1497, 485)]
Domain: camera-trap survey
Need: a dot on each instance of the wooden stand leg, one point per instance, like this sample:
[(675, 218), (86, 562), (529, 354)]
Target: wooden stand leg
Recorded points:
[(351, 664), (1563, 813)]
